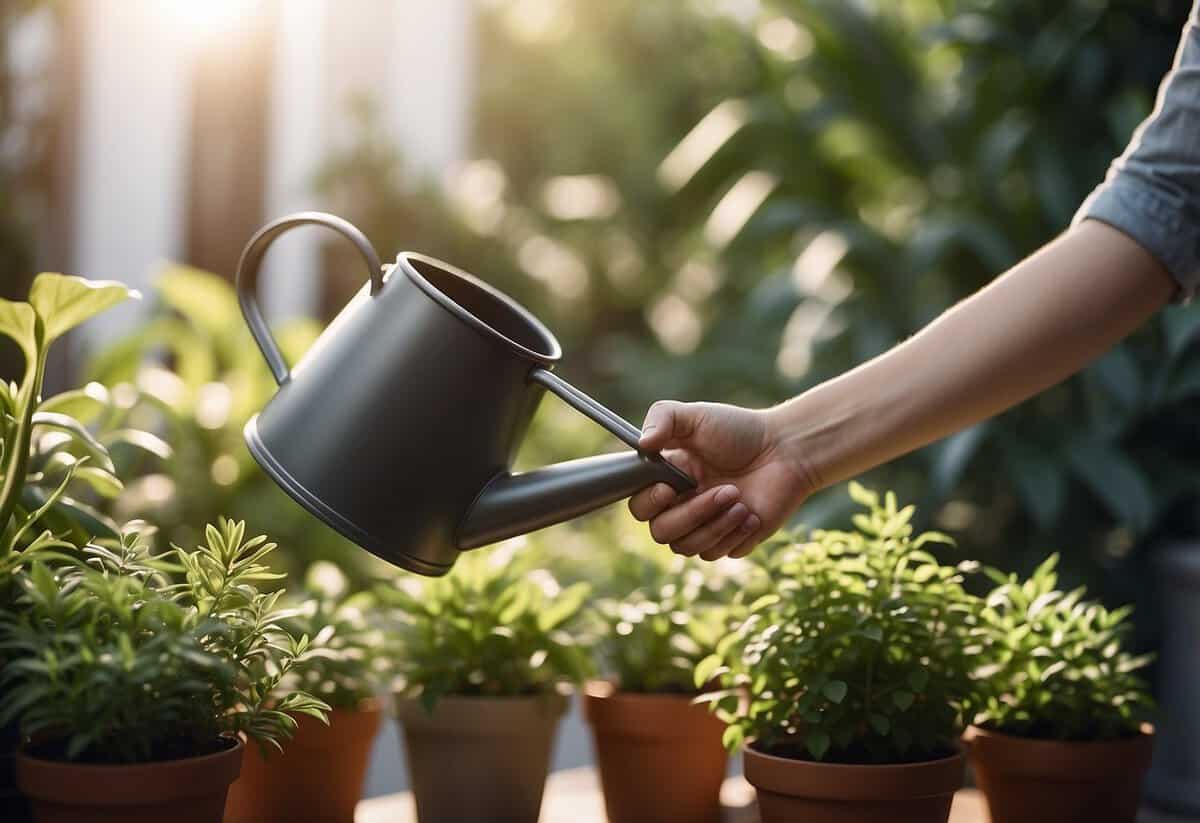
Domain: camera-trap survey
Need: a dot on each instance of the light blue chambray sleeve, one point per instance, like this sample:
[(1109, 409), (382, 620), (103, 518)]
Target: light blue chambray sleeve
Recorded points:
[(1152, 191)]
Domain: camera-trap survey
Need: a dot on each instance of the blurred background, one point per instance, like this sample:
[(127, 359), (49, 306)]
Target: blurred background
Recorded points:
[(705, 199)]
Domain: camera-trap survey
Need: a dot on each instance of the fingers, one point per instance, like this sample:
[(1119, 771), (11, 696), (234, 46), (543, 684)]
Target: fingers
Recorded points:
[(651, 502), (706, 537), (748, 544), (667, 423), (740, 539), (682, 519)]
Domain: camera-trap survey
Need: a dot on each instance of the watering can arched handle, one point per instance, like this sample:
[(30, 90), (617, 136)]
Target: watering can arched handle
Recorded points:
[(250, 263)]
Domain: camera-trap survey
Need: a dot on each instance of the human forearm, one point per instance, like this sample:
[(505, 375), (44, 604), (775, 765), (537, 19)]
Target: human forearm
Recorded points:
[(1045, 319)]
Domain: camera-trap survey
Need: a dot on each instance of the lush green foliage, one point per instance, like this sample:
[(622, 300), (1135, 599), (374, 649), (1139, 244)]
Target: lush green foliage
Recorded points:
[(492, 627), (108, 661), (941, 143), (48, 457), (670, 617), (346, 662), (906, 152), (198, 377), (860, 652), (1058, 663)]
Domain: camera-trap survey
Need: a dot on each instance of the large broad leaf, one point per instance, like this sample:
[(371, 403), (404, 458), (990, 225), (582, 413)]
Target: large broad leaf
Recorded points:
[(63, 301), (1039, 479), (953, 455), (1118, 376), (19, 322), (205, 299), (1116, 480), (1182, 327)]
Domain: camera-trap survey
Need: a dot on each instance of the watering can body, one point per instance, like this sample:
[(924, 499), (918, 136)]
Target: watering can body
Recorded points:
[(399, 426)]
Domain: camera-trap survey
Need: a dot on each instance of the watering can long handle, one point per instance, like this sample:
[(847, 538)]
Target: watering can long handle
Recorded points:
[(621, 428), (251, 262)]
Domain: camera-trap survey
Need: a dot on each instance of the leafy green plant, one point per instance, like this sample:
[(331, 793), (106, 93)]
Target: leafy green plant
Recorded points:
[(860, 653), (651, 639), (490, 628), (1057, 662), (111, 662), (346, 661), (45, 449)]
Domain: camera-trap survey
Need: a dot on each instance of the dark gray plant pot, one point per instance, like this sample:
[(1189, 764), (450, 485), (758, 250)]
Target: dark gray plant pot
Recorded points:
[(1173, 783)]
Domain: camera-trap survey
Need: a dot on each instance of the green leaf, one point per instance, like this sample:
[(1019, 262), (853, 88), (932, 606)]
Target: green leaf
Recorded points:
[(565, 605), (63, 301), (835, 690), (705, 670), (18, 321), (880, 723), (1115, 480), (85, 404), (817, 743), (903, 699)]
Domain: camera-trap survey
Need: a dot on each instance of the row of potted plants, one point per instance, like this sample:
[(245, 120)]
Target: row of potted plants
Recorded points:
[(847, 664), (850, 680)]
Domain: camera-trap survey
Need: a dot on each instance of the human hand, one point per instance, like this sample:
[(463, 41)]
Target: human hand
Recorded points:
[(747, 485)]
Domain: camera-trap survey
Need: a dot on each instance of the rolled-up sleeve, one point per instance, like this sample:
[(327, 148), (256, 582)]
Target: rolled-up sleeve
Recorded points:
[(1152, 191)]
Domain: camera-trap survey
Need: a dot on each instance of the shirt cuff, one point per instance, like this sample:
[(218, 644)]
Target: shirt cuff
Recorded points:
[(1155, 221)]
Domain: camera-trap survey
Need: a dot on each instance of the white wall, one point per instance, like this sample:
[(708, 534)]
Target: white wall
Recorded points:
[(131, 152), (414, 58)]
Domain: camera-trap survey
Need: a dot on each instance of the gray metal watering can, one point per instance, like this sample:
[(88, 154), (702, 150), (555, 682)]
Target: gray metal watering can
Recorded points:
[(399, 426)]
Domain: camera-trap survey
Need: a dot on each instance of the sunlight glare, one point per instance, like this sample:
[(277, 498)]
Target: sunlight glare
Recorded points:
[(205, 18)]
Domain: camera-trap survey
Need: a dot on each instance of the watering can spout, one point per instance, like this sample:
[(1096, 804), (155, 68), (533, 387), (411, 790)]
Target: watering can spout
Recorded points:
[(514, 504)]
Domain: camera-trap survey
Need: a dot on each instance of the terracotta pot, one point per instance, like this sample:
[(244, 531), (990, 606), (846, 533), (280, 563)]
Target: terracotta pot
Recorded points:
[(190, 790), (1027, 781), (660, 757), (317, 779), (480, 758), (801, 790)]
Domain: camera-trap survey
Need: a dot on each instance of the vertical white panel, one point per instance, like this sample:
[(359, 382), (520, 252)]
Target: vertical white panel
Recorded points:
[(428, 75), (132, 146), (297, 146)]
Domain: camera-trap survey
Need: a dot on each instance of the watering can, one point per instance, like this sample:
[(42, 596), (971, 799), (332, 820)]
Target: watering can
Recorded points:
[(399, 426)]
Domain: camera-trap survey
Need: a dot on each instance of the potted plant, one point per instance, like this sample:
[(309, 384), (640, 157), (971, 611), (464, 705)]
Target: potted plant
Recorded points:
[(130, 690), (659, 754), (49, 460), (1064, 735), (483, 655), (847, 681), (320, 775)]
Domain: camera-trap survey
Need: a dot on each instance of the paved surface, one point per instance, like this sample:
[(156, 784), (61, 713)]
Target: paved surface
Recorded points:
[(573, 796)]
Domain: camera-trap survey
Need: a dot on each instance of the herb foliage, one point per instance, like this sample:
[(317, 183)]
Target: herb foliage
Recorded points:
[(859, 652), (489, 628), (108, 661), (1058, 664)]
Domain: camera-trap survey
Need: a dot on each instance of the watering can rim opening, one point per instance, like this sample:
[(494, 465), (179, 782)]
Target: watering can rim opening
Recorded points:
[(548, 358)]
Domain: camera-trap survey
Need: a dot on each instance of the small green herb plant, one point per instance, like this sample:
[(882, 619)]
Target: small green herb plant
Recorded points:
[(108, 661), (346, 662), (489, 628), (1057, 663), (651, 639), (860, 652)]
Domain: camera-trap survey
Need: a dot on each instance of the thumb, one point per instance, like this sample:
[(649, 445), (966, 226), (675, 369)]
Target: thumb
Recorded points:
[(668, 423)]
